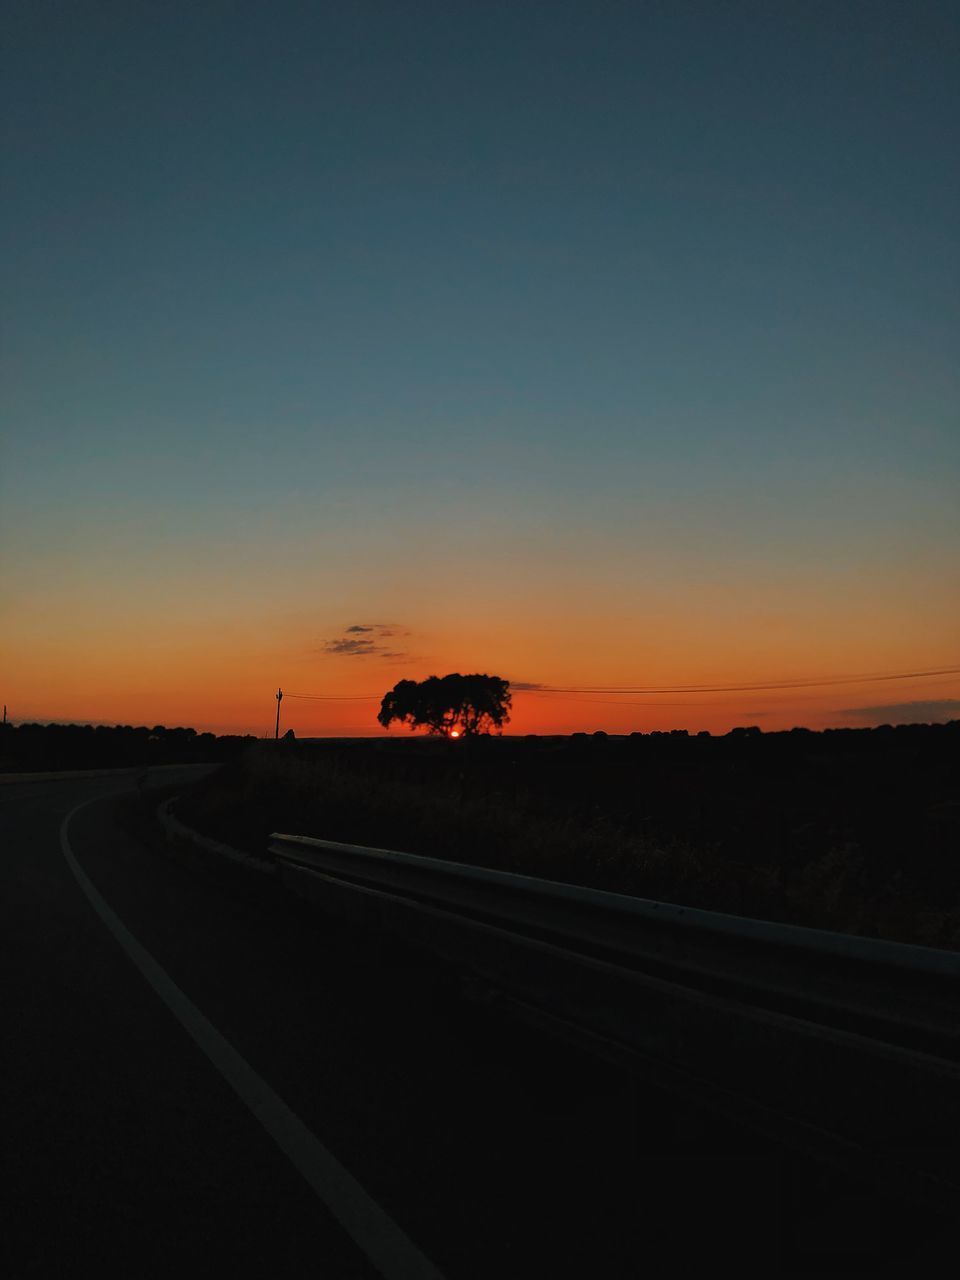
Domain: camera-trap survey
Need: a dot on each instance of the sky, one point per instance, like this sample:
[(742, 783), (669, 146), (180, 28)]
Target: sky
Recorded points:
[(599, 346)]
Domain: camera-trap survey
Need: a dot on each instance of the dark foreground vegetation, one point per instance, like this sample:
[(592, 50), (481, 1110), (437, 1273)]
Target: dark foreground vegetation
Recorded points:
[(41, 748), (854, 830)]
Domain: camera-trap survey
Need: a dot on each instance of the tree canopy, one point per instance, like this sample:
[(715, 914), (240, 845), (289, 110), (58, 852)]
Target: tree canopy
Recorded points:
[(449, 705)]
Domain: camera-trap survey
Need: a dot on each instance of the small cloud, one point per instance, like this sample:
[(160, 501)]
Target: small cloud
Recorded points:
[(363, 640), (929, 711), (528, 686), (354, 648)]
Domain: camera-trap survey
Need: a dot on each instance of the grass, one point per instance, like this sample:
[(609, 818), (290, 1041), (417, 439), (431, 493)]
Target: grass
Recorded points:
[(579, 813)]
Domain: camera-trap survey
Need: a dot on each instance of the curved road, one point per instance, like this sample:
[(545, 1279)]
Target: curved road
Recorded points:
[(444, 1141)]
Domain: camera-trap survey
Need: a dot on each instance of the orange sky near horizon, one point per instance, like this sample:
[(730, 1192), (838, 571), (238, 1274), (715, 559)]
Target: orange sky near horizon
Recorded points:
[(111, 626), (100, 657), (542, 713)]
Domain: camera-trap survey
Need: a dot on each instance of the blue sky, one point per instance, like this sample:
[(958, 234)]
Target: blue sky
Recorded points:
[(578, 287)]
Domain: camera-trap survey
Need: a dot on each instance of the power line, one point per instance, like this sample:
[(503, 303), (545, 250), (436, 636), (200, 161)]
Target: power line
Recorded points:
[(336, 697), (750, 687), (654, 690)]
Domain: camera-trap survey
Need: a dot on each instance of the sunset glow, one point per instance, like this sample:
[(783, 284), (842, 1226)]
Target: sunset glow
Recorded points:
[(651, 385)]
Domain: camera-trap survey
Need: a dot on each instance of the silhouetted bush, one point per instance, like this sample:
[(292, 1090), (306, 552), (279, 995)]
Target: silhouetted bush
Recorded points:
[(452, 705)]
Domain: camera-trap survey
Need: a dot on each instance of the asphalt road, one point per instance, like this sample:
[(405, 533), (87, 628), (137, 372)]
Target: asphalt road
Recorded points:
[(485, 1149)]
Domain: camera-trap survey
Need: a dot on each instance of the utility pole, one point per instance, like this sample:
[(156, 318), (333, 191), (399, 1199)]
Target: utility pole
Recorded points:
[(279, 700)]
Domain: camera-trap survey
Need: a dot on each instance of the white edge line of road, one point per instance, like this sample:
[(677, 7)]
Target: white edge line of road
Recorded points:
[(374, 1232)]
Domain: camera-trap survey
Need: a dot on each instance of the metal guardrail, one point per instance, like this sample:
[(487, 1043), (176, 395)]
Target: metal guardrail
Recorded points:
[(843, 1047), (178, 832)]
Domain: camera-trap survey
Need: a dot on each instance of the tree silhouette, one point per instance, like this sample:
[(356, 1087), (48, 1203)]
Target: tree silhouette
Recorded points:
[(449, 705)]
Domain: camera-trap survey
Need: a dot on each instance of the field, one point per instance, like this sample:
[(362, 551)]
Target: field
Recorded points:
[(853, 830)]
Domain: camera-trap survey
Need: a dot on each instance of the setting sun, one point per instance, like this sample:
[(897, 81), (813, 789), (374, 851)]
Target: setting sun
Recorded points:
[(454, 733)]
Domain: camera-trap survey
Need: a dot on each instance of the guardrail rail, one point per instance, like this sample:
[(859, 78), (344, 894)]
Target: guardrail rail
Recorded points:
[(842, 1047)]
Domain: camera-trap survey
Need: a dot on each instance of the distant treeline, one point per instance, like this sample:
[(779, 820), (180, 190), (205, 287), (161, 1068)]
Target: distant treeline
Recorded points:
[(39, 748)]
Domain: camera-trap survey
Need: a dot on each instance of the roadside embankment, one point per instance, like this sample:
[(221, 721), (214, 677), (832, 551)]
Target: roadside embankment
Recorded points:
[(790, 831)]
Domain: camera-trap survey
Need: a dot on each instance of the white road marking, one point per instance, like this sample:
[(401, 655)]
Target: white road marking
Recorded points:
[(393, 1254)]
